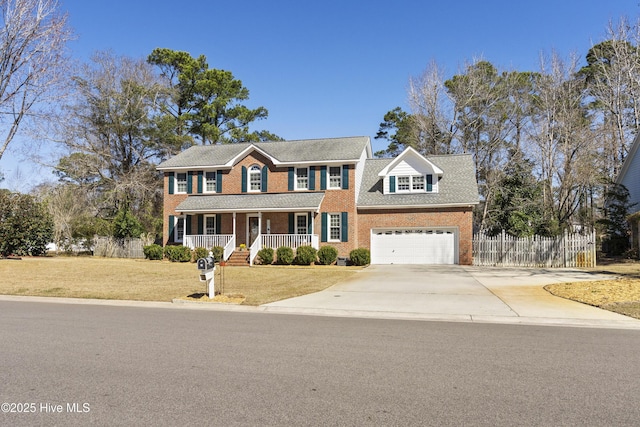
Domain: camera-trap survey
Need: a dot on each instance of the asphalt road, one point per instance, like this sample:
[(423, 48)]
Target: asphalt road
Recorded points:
[(105, 365)]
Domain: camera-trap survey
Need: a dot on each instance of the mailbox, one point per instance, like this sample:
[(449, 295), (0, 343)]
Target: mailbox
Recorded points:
[(207, 266), (207, 263)]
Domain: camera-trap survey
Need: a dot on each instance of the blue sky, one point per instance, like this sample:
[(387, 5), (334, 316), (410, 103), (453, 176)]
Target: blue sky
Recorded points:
[(333, 68)]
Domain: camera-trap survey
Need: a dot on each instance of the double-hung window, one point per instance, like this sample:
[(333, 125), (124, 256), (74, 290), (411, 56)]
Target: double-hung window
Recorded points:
[(335, 227), (404, 183), (255, 178), (210, 182), (181, 183), (417, 183), (410, 184), (335, 177), (302, 178)]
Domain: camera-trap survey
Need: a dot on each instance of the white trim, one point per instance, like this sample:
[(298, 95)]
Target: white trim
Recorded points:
[(407, 152), (204, 224), (295, 178), (306, 221), (339, 215), (629, 159), (250, 173), (204, 182), (176, 183), (328, 172), (177, 219)]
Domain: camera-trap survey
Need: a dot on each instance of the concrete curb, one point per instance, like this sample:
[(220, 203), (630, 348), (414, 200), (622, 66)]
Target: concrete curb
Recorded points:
[(360, 314)]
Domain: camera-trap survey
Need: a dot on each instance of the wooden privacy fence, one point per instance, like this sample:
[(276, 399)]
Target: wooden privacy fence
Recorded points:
[(567, 250), (110, 247)]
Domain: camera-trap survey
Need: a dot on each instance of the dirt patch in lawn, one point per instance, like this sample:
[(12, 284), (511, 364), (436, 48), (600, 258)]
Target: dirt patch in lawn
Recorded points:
[(621, 294)]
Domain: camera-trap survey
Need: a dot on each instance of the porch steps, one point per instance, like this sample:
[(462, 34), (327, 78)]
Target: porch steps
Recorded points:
[(239, 259)]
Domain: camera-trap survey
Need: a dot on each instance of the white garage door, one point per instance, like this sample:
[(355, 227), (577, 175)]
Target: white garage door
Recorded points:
[(413, 246)]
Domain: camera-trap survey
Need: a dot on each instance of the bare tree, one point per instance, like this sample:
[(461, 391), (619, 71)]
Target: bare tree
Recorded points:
[(33, 58), (561, 141)]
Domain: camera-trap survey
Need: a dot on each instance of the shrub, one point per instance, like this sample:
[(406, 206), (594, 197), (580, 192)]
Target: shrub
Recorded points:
[(200, 253), (305, 255), (25, 225), (360, 256), (266, 256), (218, 252), (327, 255), (152, 252), (178, 253), (284, 255)]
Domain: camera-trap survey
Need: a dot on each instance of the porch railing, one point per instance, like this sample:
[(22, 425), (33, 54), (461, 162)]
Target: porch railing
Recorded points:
[(229, 247), (291, 240), (255, 248), (208, 240)]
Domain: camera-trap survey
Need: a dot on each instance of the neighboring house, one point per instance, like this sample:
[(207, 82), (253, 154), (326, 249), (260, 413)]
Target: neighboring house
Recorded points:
[(407, 210), (630, 177)]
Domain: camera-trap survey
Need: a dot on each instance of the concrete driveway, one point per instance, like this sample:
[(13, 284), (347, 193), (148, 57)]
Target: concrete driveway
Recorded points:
[(456, 293)]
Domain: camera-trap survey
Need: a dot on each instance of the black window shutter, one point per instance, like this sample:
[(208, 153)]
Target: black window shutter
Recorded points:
[(345, 226), (189, 182), (292, 223), (291, 179), (392, 184), (345, 177), (218, 181), (323, 177), (171, 176), (323, 227), (429, 182), (200, 224), (265, 173), (244, 179), (218, 223), (312, 178)]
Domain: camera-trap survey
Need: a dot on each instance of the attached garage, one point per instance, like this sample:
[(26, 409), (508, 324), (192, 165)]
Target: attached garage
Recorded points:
[(414, 246)]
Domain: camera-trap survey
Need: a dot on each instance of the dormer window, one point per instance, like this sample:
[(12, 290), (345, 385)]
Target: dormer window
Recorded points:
[(417, 183), (410, 184), (255, 178)]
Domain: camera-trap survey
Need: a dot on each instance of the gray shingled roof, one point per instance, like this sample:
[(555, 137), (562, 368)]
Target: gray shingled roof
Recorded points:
[(457, 186), (308, 150), (252, 202)]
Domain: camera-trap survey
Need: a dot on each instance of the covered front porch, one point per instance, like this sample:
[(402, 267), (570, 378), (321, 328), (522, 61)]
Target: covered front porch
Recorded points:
[(251, 222)]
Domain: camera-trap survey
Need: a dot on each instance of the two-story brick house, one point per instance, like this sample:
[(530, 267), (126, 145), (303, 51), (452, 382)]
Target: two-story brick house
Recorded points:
[(410, 209)]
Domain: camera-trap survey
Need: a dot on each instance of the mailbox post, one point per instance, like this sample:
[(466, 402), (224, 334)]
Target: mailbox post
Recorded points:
[(207, 266)]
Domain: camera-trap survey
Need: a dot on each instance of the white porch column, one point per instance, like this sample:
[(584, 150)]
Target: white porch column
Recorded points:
[(234, 224), (259, 224)]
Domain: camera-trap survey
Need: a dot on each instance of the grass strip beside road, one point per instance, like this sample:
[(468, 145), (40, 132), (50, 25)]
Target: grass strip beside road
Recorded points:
[(143, 280)]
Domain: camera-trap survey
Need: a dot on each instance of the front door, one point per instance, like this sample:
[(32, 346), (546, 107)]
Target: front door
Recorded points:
[(253, 230)]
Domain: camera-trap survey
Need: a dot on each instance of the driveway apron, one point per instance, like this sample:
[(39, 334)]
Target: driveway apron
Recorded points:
[(457, 293)]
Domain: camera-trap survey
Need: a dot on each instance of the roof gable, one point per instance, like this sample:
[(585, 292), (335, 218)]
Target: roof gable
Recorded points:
[(410, 159)]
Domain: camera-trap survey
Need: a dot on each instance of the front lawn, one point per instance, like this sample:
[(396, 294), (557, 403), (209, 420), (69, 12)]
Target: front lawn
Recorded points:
[(620, 295), (143, 280)]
